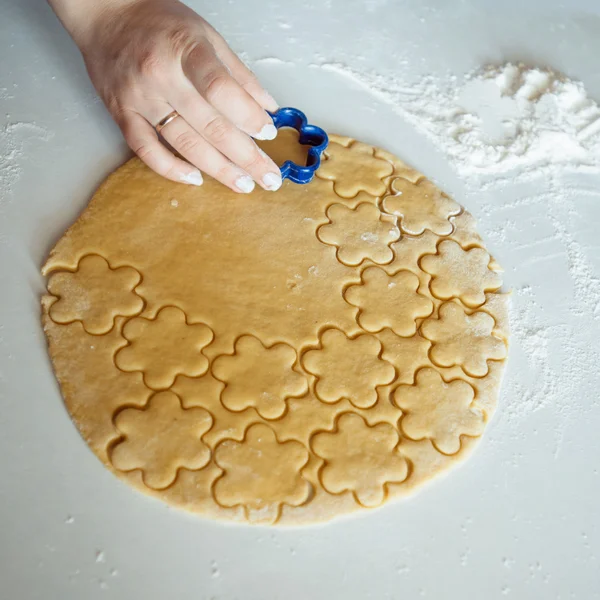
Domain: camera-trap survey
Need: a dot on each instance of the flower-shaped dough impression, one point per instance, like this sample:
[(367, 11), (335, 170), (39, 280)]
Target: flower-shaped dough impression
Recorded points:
[(407, 354), (360, 458), (348, 368), (359, 233), (261, 473), (388, 301), (259, 377), (420, 206), (462, 339), (439, 411), (164, 347), (160, 439), (355, 168), (94, 294), (459, 273)]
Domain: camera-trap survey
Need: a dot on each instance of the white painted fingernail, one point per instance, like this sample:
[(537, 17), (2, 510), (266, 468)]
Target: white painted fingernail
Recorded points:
[(244, 184), (193, 178), (272, 181), (268, 132)]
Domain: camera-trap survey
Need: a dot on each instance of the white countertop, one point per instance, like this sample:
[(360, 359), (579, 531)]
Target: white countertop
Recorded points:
[(520, 519)]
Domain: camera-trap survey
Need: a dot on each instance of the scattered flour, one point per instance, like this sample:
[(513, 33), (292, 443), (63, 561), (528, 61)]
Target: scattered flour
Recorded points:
[(497, 119), (370, 238), (272, 60), (15, 138)]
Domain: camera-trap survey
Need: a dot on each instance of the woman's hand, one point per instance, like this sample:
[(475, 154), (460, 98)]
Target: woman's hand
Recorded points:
[(148, 58)]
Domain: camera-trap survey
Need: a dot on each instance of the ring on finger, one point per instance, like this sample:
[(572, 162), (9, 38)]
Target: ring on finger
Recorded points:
[(166, 120)]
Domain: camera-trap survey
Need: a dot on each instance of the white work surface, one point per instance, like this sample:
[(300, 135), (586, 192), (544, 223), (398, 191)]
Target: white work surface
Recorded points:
[(520, 519)]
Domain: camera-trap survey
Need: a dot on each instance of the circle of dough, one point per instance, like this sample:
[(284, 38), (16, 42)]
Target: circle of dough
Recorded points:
[(277, 357)]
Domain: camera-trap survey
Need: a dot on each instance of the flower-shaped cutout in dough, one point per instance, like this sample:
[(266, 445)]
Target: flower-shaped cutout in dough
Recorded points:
[(164, 347), (348, 368), (439, 411), (259, 377), (388, 301), (160, 439), (464, 340), (459, 273), (261, 473), (94, 294), (407, 354), (354, 168), (360, 458), (420, 206), (359, 233)]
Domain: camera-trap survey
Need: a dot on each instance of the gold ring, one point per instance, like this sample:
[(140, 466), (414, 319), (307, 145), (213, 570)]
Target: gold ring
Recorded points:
[(164, 122)]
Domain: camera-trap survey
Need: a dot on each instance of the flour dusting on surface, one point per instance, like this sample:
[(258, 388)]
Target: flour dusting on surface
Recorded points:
[(15, 139), (497, 119)]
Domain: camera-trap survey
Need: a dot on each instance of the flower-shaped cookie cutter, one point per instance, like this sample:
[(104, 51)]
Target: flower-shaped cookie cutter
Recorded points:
[(310, 135)]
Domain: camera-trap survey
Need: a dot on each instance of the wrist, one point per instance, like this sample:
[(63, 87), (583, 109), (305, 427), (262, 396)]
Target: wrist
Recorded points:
[(81, 17)]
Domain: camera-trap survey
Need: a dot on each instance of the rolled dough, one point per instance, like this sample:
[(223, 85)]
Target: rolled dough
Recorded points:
[(277, 358)]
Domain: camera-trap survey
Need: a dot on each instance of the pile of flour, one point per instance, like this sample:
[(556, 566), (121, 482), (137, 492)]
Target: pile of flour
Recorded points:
[(498, 119)]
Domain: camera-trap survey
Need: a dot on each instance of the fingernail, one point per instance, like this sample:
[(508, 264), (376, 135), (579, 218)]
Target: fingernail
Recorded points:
[(193, 178), (270, 102), (268, 132), (272, 181), (245, 184)]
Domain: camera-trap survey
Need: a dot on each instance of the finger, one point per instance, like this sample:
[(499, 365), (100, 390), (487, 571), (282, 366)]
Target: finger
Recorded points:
[(241, 73), (225, 137), (142, 138), (194, 148), (212, 79)]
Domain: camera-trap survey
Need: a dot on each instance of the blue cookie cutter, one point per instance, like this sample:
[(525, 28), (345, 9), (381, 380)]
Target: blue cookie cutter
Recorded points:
[(310, 135)]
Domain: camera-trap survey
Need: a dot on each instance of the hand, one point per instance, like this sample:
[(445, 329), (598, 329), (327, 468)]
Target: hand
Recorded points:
[(148, 58)]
